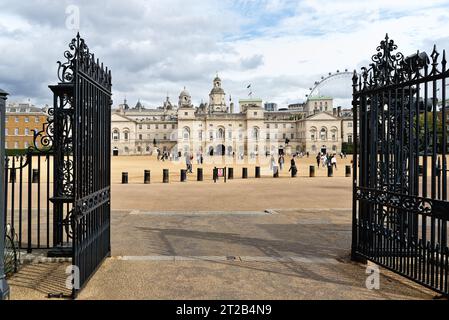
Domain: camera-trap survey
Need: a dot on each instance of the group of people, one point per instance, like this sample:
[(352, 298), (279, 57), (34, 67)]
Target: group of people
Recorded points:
[(327, 160), (162, 156)]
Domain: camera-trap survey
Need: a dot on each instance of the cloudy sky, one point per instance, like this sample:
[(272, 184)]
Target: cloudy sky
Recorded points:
[(157, 47)]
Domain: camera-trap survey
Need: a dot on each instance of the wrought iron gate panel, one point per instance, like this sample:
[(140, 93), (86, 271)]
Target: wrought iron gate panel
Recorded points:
[(84, 155), (400, 207), (27, 198)]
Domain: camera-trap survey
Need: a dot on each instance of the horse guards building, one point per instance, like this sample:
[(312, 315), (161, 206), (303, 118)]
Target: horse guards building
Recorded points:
[(215, 128)]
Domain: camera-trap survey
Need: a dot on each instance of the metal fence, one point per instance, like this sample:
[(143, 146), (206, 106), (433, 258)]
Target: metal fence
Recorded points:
[(400, 207)]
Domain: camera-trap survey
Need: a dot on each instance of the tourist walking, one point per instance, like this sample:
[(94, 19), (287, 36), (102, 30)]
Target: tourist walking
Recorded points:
[(189, 163), (318, 159), (274, 166), (281, 162), (334, 161), (293, 168)]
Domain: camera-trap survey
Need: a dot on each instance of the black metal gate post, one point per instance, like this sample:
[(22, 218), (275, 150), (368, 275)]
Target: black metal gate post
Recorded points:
[(63, 187), (400, 116), (4, 288)]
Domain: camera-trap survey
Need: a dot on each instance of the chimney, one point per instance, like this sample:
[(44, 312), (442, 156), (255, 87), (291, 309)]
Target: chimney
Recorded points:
[(232, 107), (335, 112), (339, 112)]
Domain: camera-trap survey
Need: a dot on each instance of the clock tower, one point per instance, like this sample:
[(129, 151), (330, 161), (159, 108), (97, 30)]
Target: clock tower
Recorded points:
[(217, 97)]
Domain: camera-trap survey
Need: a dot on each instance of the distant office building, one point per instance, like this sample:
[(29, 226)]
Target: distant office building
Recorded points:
[(21, 119), (271, 106)]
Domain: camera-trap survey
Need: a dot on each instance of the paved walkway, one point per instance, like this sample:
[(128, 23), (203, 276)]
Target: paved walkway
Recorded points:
[(294, 254), (219, 241)]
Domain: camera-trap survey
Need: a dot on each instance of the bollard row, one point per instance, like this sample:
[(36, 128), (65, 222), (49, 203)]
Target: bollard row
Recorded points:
[(200, 174)]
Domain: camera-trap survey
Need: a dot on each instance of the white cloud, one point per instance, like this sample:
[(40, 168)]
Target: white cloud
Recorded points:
[(155, 47)]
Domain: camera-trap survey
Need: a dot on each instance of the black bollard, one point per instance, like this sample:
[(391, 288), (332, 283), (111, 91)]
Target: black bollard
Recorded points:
[(276, 174), (147, 177), (257, 172), (348, 172), (124, 177), (12, 178), (230, 173), (199, 174), (165, 177), (330, 171), (183, 175), (244, 173), (312, 171), (35, 176)]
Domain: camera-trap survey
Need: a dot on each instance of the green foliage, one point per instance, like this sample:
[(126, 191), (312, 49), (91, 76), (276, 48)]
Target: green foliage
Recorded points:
[(347, 148)]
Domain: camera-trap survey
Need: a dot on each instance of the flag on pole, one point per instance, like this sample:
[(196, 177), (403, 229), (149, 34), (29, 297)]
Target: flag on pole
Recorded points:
[(249, 86)]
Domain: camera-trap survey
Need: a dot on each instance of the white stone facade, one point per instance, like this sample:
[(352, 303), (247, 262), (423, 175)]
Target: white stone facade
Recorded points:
[(214, 128)]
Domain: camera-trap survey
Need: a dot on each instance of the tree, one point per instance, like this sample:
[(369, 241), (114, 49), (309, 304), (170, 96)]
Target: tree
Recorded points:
[(430, 132)]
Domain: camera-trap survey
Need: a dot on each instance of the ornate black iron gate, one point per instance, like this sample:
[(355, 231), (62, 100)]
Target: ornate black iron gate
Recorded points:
[(82, 118), (400, 207)]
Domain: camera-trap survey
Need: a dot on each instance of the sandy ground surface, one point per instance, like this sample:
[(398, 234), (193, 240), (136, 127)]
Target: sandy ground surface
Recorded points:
[(206, 240)]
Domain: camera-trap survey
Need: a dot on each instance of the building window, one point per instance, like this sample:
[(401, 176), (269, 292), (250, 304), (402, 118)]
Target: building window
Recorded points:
[(200, 135), (293, 136), (139, 149), (276, 126), (256, 133), (268, 136), (323, 134), (126, 136), (36, 119), (16, 119), (220, 133), (140, 127), (16, 145), (27, 119), (230, 134), (255, 113), (16, 131), (6, 132), (25, 145), (165, 126), (350, 139), (173, 126), (186, 134), (27, 131), (148, 126), (140, 137), (157, 127), (115, 135), (186, 113), (349, 124)]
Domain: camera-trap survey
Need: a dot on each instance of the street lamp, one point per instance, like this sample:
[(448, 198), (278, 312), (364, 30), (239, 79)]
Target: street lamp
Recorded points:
[(4, 288)]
